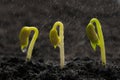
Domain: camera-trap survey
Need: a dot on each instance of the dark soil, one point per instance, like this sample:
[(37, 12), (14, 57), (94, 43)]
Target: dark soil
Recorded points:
[(82, 63), (76, 69)]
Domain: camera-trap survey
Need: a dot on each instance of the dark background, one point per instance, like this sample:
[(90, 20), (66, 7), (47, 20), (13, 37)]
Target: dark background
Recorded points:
[(75, 15)]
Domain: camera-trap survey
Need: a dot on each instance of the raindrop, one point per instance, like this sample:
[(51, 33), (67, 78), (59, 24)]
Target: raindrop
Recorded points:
[(24, 50)]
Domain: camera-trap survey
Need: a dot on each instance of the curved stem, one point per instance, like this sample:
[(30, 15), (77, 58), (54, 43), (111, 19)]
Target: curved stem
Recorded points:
[(61, 44), (30, 49), (100, 35)]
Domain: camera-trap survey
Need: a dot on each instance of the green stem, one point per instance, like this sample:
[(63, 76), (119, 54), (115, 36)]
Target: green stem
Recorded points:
[(101, 43), (61, 44), (30, 49)]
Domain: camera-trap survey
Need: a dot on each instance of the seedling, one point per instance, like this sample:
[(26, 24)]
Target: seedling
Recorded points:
[(96, 38), (24, 40), (58, 40)]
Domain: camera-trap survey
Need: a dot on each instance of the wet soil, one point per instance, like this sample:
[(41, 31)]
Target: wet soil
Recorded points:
[(82, 63)]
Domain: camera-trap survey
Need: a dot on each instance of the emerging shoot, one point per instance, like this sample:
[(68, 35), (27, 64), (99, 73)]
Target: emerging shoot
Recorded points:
[(24, 40), (96, 38), (58, 40)]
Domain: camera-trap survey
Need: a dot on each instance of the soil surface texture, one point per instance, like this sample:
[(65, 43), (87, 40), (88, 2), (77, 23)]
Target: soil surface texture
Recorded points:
[(81, 62)]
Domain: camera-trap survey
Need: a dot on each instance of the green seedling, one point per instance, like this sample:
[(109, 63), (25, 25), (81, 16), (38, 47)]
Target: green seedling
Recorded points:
[(58, 40), (24, 40), (96, 38)]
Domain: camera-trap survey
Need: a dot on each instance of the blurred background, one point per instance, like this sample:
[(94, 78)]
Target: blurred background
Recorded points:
[(75, 15)]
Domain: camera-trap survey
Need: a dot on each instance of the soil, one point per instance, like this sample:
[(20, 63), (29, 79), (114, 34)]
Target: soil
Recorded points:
[(82, 63)]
